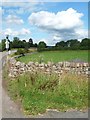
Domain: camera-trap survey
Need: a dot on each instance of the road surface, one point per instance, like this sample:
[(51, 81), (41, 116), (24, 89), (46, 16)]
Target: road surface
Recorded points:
[(8, 109)]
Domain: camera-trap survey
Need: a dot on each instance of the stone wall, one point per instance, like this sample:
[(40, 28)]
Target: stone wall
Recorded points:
[(17, 68)]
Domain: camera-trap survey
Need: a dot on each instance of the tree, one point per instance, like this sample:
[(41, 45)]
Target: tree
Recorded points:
[(16, 42), (41, 46), (35, 45), (73, 44), (85, 44), (30, 42), (3, 44), (61, 45), (0, 46), (24, 41)]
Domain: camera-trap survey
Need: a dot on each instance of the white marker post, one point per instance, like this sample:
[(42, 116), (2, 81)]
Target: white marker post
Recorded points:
[(7, 48), (7, 45)]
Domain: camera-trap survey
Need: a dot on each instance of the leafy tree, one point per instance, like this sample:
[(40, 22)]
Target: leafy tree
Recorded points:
[(3, 44), (30, 42), (85, 44), (73, 44), (61, 45), (20, 51), (24, 41), (35, 45), (0, 46), (16, 42), (41, 46)]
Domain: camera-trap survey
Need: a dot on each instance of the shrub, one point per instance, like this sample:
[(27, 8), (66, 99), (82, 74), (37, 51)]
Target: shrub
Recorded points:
[(20, 51)]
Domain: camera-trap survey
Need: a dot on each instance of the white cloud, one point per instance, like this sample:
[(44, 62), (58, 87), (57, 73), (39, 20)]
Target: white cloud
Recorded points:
[(8, 31), (62, 20), (13, 19), (0, 16), (43, 1), (19, 1), (82, 33), (0, 10), (11, 32), (25, 31), (43, 39), (56, 38), (24, 7), (62, 25)]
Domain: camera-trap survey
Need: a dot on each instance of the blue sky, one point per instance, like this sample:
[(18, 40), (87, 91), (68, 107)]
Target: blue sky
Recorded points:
[(45, 21)]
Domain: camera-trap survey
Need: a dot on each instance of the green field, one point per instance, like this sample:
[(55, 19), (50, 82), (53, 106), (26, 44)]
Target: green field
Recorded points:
[(56, 56)]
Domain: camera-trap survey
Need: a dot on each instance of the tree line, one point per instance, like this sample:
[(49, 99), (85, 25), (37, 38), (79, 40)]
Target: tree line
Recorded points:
[(72, 44), (17, 43)]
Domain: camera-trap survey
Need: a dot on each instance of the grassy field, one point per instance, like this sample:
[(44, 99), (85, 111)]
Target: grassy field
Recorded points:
[(55, 56), (37, 92)]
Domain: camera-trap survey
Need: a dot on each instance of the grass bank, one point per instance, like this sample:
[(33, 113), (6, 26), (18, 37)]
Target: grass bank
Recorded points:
[(37, 92), (56, 56)]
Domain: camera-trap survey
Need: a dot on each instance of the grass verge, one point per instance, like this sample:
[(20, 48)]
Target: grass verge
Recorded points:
[(37, 92)]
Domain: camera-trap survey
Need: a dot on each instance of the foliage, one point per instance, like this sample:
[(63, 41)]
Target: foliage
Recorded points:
[(72, 44), (41, 46), (0, 46), (21, 51), (3, 46), (85, 44), (17, 43), (38, 92), (56, 56), (61, 45), (30, 42)]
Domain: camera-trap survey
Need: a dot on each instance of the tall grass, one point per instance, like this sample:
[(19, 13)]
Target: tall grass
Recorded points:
[(38, 92)]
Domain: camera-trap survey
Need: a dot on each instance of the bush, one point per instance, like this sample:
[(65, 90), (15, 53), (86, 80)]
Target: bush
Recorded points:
[(20, 51)]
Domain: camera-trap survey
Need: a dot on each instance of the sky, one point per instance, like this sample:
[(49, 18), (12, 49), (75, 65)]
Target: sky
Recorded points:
[(50, 22)]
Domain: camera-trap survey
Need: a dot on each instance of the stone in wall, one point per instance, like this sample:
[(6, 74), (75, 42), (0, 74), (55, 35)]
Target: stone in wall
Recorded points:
[(17, 67)]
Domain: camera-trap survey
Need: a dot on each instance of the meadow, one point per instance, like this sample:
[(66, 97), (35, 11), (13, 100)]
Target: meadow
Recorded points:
[(56, 56)]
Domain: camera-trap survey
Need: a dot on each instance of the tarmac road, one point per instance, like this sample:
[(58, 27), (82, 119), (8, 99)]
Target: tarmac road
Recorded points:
[(0, 86), (8, 109)]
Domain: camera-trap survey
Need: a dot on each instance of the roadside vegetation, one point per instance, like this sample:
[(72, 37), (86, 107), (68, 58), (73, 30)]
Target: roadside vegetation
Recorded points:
[(56, 56), (37, 92), (72, 44)]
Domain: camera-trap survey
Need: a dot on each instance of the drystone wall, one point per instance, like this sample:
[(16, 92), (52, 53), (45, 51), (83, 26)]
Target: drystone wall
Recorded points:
[(16, 68)]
